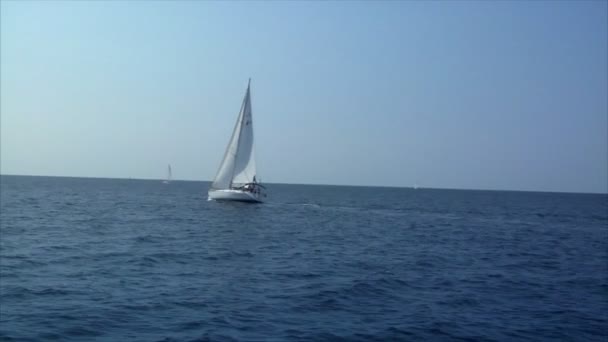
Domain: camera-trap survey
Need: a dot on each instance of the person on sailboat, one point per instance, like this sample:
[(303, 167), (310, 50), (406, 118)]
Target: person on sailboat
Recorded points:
[(249, 187)]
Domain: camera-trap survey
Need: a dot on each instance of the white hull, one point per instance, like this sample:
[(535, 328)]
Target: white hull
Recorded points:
[(233, 195)]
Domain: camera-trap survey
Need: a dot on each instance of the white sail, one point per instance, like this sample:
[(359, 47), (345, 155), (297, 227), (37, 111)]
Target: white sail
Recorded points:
[(238, 166), (166, 181)]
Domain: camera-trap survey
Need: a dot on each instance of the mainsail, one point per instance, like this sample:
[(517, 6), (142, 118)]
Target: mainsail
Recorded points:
[(238, 166)]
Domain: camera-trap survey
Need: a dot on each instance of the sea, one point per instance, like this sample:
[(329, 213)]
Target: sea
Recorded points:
[(86, 259)]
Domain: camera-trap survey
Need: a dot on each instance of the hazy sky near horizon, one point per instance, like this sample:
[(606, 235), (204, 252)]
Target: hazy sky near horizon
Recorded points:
[(484, 95)]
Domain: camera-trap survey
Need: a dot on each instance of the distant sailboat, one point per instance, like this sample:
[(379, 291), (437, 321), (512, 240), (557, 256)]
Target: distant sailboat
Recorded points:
[(166, 181), (236, 177)]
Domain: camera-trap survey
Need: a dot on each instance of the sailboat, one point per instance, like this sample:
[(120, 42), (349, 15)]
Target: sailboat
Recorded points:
[(166, 181), (236, 178)]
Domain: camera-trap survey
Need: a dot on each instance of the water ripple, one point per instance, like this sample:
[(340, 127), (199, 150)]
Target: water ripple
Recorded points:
[(112, 260)]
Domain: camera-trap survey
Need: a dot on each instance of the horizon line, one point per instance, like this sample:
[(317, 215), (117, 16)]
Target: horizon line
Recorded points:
[(316, 184)]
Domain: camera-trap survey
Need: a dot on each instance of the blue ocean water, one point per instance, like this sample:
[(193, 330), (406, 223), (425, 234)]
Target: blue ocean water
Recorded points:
[(133, 260)]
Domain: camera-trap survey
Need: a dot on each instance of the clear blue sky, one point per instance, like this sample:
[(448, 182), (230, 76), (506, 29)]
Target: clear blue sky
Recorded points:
[(483, 95)]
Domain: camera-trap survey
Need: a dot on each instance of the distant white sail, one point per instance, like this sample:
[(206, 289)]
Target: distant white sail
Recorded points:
[(238, 166), (169, 176)]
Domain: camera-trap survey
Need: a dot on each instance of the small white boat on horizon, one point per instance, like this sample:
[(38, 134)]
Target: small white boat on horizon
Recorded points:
[(168, 180), (236, 177)]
